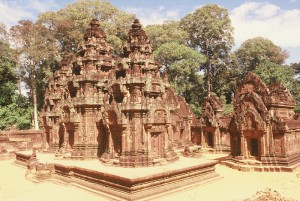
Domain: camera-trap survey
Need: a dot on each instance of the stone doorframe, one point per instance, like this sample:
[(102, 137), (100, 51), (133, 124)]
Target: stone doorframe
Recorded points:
[(251, 144)]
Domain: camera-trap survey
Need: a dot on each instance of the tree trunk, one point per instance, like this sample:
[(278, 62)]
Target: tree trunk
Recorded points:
[(208, 69), (208, 80), (35, 113), (34, 98)]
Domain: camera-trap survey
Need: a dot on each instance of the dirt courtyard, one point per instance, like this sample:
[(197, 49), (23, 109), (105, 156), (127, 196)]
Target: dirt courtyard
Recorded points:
[(234, 185)]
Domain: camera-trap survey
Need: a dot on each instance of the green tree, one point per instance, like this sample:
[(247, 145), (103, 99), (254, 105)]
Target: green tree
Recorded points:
[(210, 32), (17, 113), (69, 23), (35, 46), (169, 31), (181, 63), (296, 67), (256, 51), (270, 72), (14, 108)]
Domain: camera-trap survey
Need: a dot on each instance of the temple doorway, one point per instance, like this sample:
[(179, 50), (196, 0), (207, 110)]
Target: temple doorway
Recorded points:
[(254, 147), (181, 134), (71, 138), (61, 135), (116, 133), (210, 139)]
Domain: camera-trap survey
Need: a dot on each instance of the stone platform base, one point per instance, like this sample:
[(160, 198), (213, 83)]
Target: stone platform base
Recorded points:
[(224, 150), (258, 166), (121, 183), (7, 156)]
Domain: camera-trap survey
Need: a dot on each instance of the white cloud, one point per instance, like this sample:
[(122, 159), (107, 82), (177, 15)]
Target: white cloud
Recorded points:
[(197, 7), (42, 6), (149, 16), (13, 11), (11, 15), (161, 8), (253, 19)]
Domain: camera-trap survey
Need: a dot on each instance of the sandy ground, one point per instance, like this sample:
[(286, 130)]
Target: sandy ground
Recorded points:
[(234, 185)]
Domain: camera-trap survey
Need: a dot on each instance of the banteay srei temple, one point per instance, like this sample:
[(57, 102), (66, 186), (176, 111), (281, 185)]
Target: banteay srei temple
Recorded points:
[(117, 109), (120, 114)]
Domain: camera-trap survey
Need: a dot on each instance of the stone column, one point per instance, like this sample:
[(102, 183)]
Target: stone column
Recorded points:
[(123, 140), (242, 144), (165, 136), (217, 143), (271, 140), (215, 138), (202, 137), (189, 130), (109, 141), (66, 138), (149, 142)]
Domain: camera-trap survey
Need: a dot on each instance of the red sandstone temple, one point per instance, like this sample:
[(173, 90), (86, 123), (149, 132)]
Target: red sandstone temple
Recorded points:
[(264, 128), (118, 109), (123, 111), (214, 135)]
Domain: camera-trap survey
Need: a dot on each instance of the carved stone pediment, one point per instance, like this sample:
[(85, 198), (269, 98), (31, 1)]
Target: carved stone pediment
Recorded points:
[(251, 120), (250, 109), (211, 108), (279, 94)]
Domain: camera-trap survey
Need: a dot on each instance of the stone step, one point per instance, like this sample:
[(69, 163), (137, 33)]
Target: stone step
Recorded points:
[(255, 166)]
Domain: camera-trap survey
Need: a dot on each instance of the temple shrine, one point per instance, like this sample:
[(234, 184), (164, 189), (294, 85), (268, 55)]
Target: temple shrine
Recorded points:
[(214, 135), (264, 131), (121, 113), (75, 97), (119, 109)]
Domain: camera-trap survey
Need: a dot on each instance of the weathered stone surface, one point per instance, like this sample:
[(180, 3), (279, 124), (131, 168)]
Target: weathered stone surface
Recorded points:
[(75, 97), (118, 182), (264, 127), (19, 140), (118, 109), (213, 127), (38, 171)]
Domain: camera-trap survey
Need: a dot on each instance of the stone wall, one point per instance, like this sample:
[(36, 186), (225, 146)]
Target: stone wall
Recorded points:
[(20, 140)]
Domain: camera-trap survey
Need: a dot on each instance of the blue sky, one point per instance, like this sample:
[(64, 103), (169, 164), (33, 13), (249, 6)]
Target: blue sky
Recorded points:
[(277, 20)]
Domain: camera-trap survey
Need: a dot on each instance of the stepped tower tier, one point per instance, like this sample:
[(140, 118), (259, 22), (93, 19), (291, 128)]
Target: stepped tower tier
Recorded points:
[(140, 105), (118, 109), (76, 95)]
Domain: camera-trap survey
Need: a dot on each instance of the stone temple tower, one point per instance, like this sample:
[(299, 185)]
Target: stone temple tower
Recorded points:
[(119, 109), (75, 97), (139, 116)]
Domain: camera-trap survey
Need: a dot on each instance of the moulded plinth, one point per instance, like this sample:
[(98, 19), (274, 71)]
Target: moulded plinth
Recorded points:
[(130, 183), (274, 165)]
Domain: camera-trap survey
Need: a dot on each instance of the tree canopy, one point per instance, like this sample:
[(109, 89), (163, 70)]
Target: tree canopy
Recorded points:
[(194, 51), (256, 51), (182, 66), (69, 23), (35, 46), (14, 108), (167, 32), (210, 32)]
